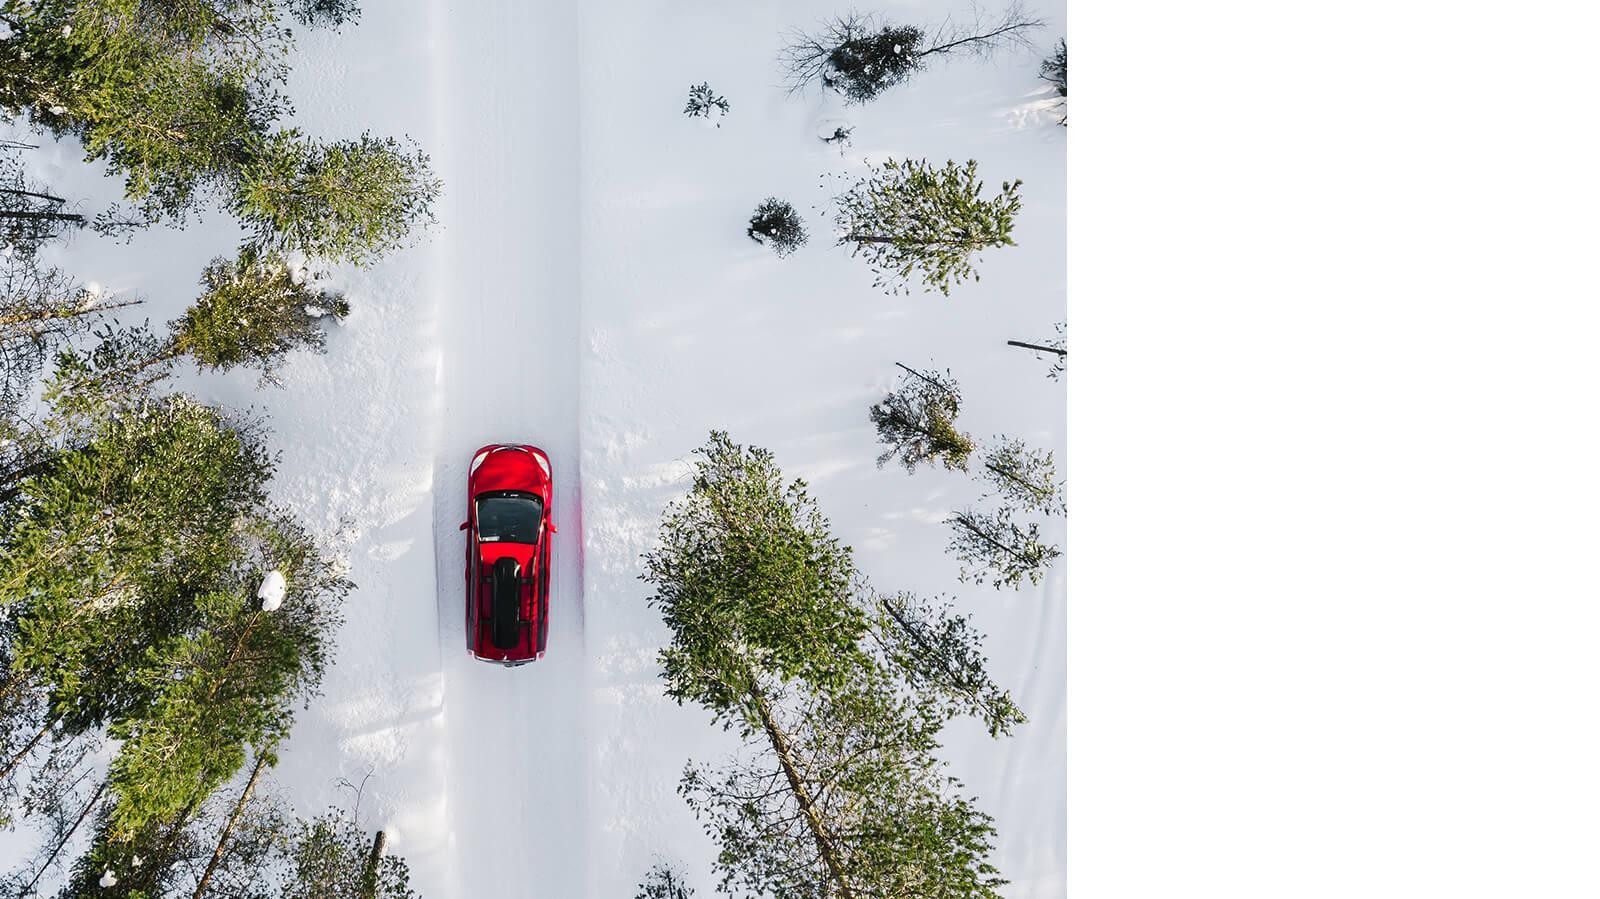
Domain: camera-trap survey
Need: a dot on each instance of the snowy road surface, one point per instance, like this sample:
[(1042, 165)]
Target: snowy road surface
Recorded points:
[(508, 332)]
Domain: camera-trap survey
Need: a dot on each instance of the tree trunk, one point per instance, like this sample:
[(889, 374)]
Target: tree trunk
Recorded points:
[(998, 32), (1034, 346), (227, 830), (7, 321), (819, 830), (94, 800), (968, 523), (369, 874)]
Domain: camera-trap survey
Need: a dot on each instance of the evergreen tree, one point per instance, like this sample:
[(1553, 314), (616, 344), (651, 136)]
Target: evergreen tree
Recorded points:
[(861, 56), (839, 792), (41, 308), (352, 200), (938, 655), (843, 796), (917, 421), (918, 224), (331, 857), (180, 100), (664, 882), (993, 549), (776, 224), (752, 586), (30, 215), (1054, 70), (1023, 478), (253, 312)]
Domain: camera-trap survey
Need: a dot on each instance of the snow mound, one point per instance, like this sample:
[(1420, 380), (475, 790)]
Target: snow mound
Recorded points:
[(273, 587)]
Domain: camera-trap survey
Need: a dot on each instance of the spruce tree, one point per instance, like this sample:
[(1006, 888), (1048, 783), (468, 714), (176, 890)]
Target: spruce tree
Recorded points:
[(1023, 478), (917, 224), (253, 312), (843, 796), (839, 792), (776, 224), (917, 422), (993, 549), (752, 586), (939, 657), (861, 56), (1054, 70), (353, 200), (705, 103), (332, 857)]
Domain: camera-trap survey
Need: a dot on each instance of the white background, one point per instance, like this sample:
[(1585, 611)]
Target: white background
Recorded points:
[(1333, 449)]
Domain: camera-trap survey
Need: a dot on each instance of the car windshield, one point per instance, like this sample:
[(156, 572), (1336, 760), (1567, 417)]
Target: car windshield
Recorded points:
[(510, 519)]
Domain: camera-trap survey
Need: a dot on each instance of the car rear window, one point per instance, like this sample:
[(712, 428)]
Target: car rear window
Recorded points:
[(509, 519)]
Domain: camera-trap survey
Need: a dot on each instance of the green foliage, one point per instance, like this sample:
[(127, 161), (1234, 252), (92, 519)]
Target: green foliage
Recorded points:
[(1023, 478), (865, 62), (937, 655), (843, 796), (914, 223), (839, 696), (993, 549), (664, 882), (253, 312), (353, 200), (776, 224), (752, 586), (328, 859), (917, 421)]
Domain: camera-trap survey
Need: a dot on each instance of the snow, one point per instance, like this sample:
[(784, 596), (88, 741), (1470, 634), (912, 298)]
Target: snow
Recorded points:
[(590, 289), (271, 591), (108, 879)]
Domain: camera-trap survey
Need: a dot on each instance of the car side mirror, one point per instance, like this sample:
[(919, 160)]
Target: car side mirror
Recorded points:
[(553, 528), (463, 525)]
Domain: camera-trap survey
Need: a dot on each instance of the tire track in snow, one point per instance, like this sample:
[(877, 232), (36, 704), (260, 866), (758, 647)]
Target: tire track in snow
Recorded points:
[(509, 307)]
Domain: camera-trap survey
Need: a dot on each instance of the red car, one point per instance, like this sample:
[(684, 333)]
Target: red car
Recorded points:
[(508, 529)]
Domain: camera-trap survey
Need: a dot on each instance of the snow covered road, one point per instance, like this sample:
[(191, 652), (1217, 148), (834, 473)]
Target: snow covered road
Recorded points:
[(508, 332)]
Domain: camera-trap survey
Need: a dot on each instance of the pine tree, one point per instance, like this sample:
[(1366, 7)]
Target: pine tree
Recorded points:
[(1023, 478), (254, 312), (861, 56), (331, 857), (30, 215), (917, 421), (916, 224), (664, 882), (839, 792), (1054, 70), (993, 549), (352, 200), (752, 586), (776, 224), (180, 100), (939, 657), (843, 796)]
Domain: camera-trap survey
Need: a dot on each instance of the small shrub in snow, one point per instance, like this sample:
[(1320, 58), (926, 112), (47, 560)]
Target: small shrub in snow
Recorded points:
[(917, 422), (705, 103), (776, 224)]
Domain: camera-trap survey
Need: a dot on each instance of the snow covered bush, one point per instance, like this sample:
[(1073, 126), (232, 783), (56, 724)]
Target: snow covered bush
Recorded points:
[(776, 224), (705, 103)]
